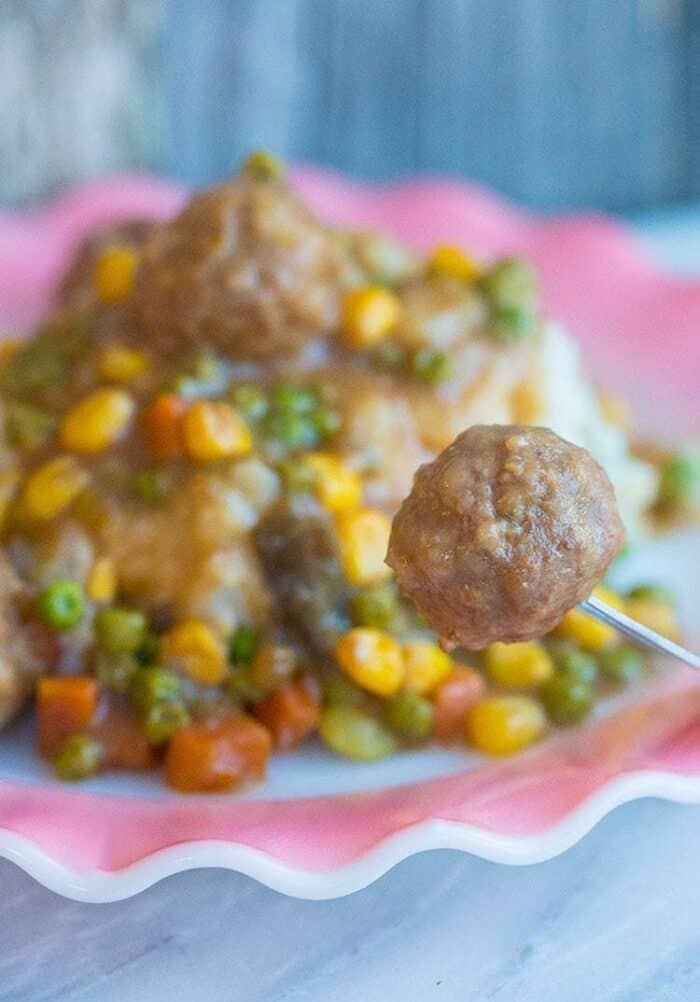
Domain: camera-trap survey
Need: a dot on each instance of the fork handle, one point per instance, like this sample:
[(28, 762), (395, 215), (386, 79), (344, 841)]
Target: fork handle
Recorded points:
[(642, 634)]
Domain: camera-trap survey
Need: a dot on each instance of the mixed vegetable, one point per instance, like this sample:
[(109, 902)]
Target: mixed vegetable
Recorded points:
[(194, 537)]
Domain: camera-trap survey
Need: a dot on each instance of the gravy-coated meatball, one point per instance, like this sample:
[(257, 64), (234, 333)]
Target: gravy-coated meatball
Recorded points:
[(77, 288), (503, 533), (246, 268)]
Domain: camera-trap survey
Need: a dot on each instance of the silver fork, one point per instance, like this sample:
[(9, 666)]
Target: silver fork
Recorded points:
[(642, 634)]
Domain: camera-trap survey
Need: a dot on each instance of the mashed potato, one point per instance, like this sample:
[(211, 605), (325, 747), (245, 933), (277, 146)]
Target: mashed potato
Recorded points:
[(570, 407)]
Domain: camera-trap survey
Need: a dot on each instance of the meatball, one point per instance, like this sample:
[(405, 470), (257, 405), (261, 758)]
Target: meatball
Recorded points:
[(508, 529), (298, 548), (245, 268), (77, 288)]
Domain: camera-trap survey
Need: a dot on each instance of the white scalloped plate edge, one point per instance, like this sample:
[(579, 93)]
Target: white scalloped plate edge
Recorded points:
[(99, 886)]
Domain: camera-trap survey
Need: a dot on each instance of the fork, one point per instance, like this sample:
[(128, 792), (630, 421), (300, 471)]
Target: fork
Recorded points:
[(642, 634)]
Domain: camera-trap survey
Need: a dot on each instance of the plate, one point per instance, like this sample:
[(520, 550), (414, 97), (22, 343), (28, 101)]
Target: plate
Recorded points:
[(322, 827)]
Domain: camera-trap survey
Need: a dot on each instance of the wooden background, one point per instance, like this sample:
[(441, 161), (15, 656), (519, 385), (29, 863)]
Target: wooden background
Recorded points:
[(555, 102)]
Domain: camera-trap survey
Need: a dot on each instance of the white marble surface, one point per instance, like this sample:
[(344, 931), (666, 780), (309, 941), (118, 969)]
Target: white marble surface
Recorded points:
[(615, 918)]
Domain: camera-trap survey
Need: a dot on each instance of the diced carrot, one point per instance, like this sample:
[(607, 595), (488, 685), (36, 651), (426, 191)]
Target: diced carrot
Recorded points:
[(457, 694), (217, 755), (163, 424), (123, 742), (289, 713), (64, 706)]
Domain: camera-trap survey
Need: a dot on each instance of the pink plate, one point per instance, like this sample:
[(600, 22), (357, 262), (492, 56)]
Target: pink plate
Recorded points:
[(322, 828)]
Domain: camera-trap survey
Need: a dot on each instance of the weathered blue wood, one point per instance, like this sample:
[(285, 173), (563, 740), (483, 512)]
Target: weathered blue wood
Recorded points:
[(557, 102), (80, 91), (691, 80)]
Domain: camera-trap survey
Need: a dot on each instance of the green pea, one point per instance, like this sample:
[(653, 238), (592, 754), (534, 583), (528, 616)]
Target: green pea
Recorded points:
[(153, 485), (28, 427), (154, 685), (337, 688), (162, 719), (147, 652), (327, 422), (622, 664), (653, 592), (62, 604), (511, 288), (296, 431), (250, 401), (512, 323), (354, 734), (680, 479), (297, 478), (558, 647), (35, 367), (206, 366), (385, 281), (243, 645), (76, 336), (115, 671), (431, 367), (263, 166), (294, 399), (79, 757), (374, 606), (567, 699), (578, 665), (204, 372), (184, 386), (120, 631), (389, 355), (510, 282), (411, 716)]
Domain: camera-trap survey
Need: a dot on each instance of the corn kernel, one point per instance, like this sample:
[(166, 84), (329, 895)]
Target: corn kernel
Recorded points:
[(98, 421), (114, 273), (372, 659), (502, 725), (336, 486), (659, 616), (517, 666), (9, 480), (193, 646), (53, 486), (426, 666), (119, 364), (368, 316), (588, 633), (614, 409), (363, 539), (263, 166), (102, 581), (8, 347), (452, 262), (214, 430), (611, 597), (526, 403)]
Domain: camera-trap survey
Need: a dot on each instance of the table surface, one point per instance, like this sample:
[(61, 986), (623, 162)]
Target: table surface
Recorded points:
[(615, 918)]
